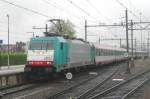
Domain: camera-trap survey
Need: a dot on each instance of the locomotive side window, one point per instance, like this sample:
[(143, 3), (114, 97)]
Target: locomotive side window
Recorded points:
[(61, 46)]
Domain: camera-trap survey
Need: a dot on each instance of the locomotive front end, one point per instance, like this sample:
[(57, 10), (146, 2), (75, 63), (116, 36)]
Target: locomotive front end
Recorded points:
[(39, 58)]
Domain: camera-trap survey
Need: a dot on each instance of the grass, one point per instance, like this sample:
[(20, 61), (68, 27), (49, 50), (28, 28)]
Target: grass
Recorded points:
[(16, 58)]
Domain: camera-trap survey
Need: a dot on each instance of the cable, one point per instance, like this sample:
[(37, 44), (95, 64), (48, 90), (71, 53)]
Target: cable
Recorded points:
[(88, 14), (130, 12), (99, 14), (127, 9), (27, 9), (96, 10), (58, 6), (136, 8), (78, 7)]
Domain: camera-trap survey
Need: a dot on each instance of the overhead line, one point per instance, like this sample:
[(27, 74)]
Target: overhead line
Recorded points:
[(88, 1), (27, 9), (58, 6), (96, 9), (75, 5), (136, 8), (127, 9), (78, 7)]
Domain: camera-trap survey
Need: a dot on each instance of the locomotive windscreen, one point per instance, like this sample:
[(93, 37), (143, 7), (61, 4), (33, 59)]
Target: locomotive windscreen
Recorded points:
[(40, 45)]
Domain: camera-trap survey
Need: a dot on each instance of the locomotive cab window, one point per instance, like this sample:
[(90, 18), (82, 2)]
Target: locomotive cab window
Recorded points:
[(40, 45)]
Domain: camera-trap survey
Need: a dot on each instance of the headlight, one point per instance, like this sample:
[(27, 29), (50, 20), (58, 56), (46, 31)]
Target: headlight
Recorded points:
[(48, 62), (30, 62)]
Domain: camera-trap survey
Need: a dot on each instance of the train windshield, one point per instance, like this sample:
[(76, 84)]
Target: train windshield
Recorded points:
[(40, 45)]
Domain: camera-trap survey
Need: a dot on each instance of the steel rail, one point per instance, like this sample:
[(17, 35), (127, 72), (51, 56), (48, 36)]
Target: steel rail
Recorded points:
[(13, 86), (118, 85), (74, 86), (67, 89), (3, 93), (126, 96), (86, 93)]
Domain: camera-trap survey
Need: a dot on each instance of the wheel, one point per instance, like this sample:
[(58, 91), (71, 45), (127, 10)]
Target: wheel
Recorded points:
[(69, 75)]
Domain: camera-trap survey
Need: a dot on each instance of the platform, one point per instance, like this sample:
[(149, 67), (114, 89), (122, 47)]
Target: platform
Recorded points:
[(4, 70)]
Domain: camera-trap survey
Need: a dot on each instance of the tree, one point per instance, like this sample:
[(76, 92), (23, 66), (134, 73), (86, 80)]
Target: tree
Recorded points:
[(63, 27)]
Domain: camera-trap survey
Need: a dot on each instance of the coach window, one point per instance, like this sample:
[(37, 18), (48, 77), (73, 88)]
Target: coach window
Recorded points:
[(113, 52), (100, 52), (110, 52), (97, 52), (105, 52)]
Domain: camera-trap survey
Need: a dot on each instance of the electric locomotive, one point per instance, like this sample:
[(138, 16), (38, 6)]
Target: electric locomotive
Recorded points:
[(54, 54)]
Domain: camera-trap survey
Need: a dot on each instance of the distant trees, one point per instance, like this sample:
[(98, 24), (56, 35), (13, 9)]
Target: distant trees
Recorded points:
[(63, 27), (20, 46)]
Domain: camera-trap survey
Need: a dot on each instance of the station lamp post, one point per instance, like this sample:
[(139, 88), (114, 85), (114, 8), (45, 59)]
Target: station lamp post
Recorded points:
[(0, 57), (8, 43)]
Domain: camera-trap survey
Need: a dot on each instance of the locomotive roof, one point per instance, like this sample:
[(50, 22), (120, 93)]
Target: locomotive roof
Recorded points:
[(61, 39), (78, 41)]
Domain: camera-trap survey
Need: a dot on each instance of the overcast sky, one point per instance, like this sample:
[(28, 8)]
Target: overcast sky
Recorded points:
[(94, 11)]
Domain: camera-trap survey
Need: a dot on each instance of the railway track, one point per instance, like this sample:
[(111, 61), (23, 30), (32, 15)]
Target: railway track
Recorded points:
[(81, 87), (127, 95), (9, 90), (17, 88), (20, 88), (124, 89), (23, 88)]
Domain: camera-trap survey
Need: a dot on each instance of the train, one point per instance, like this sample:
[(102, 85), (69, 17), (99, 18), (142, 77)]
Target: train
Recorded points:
[(54, 54)]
